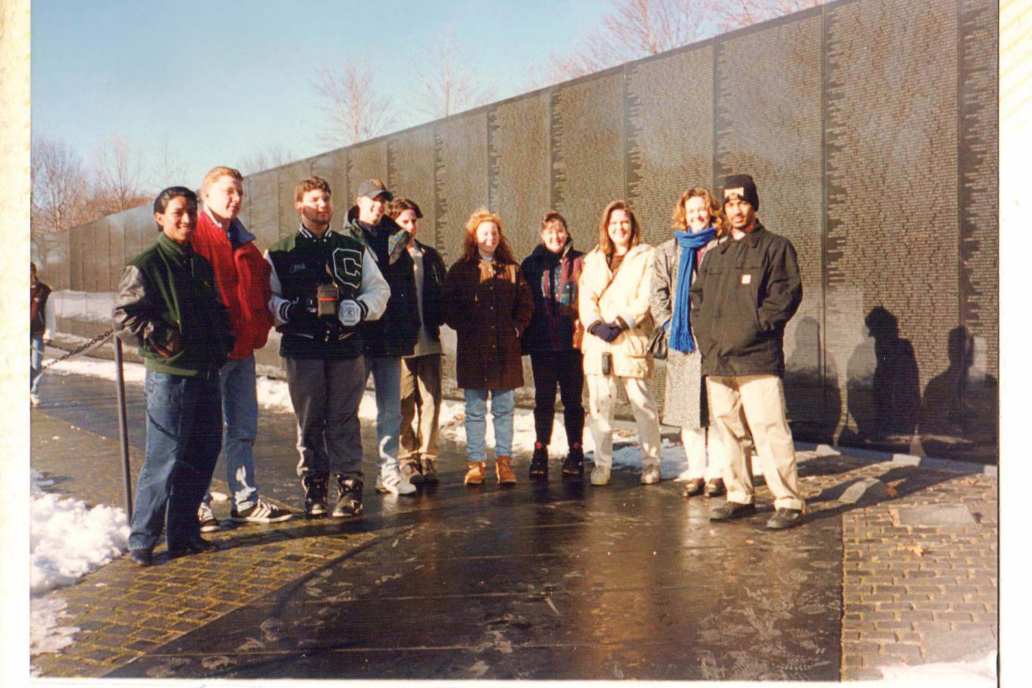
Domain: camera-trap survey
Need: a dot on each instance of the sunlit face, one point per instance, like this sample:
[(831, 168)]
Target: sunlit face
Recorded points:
[(179, 219), (370, 210), (740, 213), (554, 236), (408, 221), (224, 197), (488, 237), (619, 230), (696, 212), (316, 209)]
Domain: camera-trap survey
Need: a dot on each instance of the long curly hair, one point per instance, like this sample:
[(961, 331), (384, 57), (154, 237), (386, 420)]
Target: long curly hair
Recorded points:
[(716, 210), (605, 244), (470, 251)]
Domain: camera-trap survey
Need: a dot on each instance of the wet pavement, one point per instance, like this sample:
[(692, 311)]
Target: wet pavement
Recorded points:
[(895, 564)]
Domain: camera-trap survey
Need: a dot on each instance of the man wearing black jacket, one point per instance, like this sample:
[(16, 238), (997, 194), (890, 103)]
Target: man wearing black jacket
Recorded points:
[(394, 335), (748, 289), (421, 372)]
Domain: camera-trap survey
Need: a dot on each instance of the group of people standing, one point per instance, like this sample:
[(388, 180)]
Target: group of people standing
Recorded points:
[(370, 300)]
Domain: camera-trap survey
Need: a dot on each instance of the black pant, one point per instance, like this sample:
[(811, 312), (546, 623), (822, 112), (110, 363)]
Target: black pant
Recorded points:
[(565, 369)]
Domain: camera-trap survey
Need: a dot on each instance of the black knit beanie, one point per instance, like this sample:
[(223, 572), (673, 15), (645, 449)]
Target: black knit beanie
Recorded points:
[(746, 184)]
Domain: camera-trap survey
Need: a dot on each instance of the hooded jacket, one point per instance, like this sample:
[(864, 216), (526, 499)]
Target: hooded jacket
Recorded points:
[(553, 281), (604, 297), (396, 332), (243, 278), (746, 292)]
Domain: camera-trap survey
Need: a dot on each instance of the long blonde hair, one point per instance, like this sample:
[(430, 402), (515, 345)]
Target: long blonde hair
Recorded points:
[(716, 211), (470, 251)]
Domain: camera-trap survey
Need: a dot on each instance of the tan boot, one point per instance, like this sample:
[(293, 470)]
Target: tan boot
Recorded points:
[(475, 474), (503, 469)]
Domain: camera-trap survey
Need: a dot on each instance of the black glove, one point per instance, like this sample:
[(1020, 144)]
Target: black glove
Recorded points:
[(605, 331), (299, 310)]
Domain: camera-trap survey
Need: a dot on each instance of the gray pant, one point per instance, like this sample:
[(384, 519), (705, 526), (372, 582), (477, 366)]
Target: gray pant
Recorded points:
[(326, 395)]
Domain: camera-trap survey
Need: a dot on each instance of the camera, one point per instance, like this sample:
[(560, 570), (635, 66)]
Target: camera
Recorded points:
[(327, 301), (607, 363)]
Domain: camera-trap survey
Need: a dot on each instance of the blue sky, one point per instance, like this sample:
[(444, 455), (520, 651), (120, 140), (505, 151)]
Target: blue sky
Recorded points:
[(217, 81)]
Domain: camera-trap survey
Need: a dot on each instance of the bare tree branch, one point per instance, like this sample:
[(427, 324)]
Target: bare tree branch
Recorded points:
[(60, 192), (735, 14), (270, 157), (352, 105), (119, 166), (448, 83), (168, 169)]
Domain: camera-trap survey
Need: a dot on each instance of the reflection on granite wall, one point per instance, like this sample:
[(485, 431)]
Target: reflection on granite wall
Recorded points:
[(870, 127)]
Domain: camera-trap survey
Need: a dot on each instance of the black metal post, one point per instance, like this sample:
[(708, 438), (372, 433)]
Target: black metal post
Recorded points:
[(123, 428)]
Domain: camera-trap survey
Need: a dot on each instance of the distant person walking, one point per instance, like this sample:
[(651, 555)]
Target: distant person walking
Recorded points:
[(489, 305), (168, 304), (698, 222), (243, 279), (393, 335), (748, 290), (614, 306), (553, 340), (324, 285), (41, 328), (421, 372)]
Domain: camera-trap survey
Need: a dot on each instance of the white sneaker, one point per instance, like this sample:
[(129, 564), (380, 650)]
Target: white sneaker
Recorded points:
[(394, 483), (209, 524), (650, 474), (600, 475), (34, 399)]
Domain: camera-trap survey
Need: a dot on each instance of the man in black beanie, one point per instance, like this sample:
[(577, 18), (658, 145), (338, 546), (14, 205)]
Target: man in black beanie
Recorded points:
[(747, 290)]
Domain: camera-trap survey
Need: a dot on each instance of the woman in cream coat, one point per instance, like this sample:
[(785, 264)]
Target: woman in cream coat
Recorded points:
[(614, 307)]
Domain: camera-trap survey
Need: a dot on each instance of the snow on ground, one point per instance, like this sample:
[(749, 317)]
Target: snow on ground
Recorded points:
[(976, 674), (67, 540), (273, 394)]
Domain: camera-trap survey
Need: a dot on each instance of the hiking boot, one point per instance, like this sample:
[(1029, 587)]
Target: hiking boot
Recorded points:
[(430, 471), (650, 474), (600, 475), (261, 512), (194, 545), (503, 471), (475, 474), (209, 524), (785, 518), (573, 464), (142, 557), (694, 487), (732, 510), (715, 488), (315, 495), (539, 463), (393, 482), (409, 469), (349, 500)]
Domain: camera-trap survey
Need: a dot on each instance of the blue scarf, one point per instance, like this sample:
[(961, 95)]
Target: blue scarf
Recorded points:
[(681, 327)]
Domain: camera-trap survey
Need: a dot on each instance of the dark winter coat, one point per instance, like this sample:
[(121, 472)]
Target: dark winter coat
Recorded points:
[(553, 281), (745, 294), (39, 293), (167, 290), (434, 273), (395, 333), (489, 305)]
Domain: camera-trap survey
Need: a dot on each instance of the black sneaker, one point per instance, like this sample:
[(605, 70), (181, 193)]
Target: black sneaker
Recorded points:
[(539, 462), (195, 545), (732, 510), (261, 512), (349, 503), (785, 518), (142, 557), (573, 464), (430, 471), (315, 495)]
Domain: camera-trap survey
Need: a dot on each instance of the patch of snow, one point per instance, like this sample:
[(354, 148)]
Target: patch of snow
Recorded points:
[(975, 674)]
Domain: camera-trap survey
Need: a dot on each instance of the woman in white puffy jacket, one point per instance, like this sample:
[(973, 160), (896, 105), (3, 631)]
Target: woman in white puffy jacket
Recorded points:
[(614, 297)]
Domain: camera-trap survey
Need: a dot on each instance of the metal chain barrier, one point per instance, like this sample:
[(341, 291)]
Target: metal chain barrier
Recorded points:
[(88, 346)]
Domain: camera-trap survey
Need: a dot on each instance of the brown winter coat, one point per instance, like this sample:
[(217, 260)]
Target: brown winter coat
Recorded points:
[(489, 305)]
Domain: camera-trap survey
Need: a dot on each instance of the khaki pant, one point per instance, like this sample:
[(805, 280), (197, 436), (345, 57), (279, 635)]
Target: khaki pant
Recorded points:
[(762, 399), (704, 452), (601, 396), (420, 406)]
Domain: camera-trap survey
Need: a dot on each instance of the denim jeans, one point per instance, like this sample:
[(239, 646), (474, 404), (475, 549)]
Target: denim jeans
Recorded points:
[(386, 372), (240, 418), (502, 403), (35, 363), (184, 436)]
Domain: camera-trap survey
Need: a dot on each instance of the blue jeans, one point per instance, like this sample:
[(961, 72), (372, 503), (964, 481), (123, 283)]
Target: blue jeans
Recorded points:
[(184, 436), (240, 417), (502, 403), (387, 382), (35, 363)]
